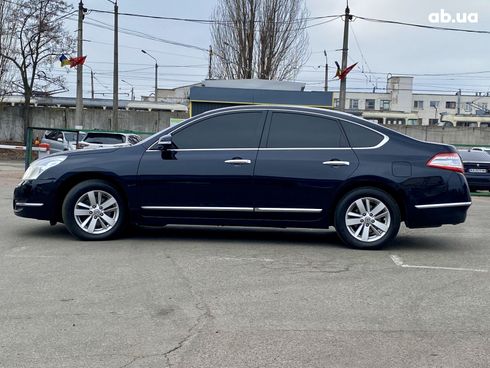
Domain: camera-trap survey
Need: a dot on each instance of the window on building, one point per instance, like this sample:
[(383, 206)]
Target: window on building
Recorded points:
[(385, 105), (467, 107), (484, 105), (450, 104), (433, 121), (370, 104), (353, 104), (434, 104), (336, 102), (418, 104)]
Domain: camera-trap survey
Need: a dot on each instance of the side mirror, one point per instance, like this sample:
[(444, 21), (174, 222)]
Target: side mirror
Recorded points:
[(165, 142)]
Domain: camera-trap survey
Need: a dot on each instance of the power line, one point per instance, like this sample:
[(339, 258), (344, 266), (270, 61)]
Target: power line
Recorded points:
[(439, 28)]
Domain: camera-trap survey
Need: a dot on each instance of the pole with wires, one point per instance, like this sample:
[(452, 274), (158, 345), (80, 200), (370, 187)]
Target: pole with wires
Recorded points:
[(345, 50), (115, 87), (326, 70), (210, 66), (79, 105)]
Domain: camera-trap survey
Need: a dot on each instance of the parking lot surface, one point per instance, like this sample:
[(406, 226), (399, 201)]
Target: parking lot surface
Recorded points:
[(233, 297)]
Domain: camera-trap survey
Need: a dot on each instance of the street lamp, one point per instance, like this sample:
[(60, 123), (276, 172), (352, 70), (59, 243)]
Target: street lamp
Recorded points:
[(132, 89), (156, 73)]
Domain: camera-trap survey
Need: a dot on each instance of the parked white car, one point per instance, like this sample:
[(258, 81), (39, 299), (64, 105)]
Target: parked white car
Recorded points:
[(94, 140)]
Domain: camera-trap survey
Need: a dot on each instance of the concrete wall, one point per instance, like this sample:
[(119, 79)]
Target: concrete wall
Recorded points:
[(11, 120), (461, 135)]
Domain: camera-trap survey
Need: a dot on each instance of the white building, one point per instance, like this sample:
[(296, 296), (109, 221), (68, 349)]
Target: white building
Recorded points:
[(400, 105)]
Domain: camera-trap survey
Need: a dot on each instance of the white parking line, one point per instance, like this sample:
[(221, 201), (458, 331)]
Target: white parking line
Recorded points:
[(399, 262), (242, 259)]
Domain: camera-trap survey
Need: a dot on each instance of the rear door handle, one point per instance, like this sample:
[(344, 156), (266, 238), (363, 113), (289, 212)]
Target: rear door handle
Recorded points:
[(336, 163), (238, 161)]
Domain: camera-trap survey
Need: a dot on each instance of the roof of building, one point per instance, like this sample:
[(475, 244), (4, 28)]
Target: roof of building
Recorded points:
[(95, 103)]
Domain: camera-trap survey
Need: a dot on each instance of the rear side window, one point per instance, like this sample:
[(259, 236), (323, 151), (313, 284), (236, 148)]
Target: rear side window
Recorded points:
[(104, 138), (292, 130), (360, 137), (239, 130)]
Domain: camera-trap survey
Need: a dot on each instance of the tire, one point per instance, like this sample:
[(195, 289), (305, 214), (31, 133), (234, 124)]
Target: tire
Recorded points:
[(94, 210), (363, 229)]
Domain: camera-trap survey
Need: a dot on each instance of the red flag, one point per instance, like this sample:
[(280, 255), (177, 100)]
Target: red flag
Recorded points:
[(343, 73), (77, 61)]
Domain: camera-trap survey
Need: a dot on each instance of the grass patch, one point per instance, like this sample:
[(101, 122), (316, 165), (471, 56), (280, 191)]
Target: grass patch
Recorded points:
[(480, 194)]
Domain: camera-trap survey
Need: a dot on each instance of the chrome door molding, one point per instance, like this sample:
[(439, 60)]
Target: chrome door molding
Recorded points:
[(233, 209), (443, 205)]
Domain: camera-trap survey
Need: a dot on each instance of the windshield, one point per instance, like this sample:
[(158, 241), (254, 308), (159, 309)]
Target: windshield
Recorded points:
[(104, 138)]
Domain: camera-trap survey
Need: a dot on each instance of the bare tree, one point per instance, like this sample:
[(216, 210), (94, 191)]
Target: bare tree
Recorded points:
[(39, 40), (7, 42), (263, 39)]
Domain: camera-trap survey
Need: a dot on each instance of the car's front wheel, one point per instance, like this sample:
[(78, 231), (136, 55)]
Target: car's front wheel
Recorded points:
[(94, 210), (367, 218)]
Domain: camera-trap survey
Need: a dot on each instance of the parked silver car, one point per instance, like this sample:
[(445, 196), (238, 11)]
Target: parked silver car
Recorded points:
[(95, 140), (59, 140)]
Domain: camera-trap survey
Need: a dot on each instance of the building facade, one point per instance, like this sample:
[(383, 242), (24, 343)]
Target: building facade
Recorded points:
[(401, 106)]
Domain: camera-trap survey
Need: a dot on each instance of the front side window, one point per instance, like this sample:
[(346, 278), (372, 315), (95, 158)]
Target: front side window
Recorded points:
[(234, 130), (291, 130)]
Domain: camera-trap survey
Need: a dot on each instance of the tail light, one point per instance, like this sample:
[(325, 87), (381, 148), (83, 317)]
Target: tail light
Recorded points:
[(448, 161)]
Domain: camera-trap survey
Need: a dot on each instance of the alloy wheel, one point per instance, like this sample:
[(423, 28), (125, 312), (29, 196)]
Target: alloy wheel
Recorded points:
[(96, 212), (368, 219)]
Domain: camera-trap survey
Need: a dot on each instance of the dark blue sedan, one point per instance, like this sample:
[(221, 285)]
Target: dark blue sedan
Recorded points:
[(254, 166)]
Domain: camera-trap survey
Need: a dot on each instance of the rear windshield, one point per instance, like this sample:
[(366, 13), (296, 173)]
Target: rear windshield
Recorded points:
[(474, 156), (104, 138)]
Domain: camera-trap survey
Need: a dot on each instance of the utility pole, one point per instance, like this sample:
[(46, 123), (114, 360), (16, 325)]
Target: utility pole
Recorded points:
[(326, 70), (115, 87), (92, 83), (210, 66), (156, 81), (345, 49), (156, 72), (458, 111), (79, 108)]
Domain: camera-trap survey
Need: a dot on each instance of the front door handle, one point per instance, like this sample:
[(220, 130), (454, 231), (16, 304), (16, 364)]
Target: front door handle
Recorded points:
[(238, 161), (336, 163)]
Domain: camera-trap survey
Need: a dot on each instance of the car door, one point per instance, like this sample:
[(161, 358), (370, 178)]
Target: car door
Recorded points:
[(209, 170), (300, 165)]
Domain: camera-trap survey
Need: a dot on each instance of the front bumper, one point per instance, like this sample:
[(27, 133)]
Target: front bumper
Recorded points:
[(35, 199)]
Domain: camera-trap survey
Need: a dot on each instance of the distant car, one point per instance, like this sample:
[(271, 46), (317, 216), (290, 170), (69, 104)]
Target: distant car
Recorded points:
[(481, 149), (94, 140), (476, 169), (59, 140)]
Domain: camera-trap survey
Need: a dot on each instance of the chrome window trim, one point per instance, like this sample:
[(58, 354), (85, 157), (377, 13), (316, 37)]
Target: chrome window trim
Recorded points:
[(380, 144), (443, 205), (233, 209), (25, 204)]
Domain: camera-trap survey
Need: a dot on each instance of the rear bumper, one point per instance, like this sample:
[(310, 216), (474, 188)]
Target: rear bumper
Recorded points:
[(437, 214), (478, 181)]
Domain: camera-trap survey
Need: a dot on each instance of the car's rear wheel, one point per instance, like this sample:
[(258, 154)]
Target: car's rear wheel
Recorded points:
[(94, 210), (367, 218)]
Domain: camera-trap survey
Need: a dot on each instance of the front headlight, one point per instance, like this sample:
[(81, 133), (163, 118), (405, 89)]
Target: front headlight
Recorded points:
[(40, 166)]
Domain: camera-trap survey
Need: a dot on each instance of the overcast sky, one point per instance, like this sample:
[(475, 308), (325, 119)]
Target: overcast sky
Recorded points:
[(386, 48)]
